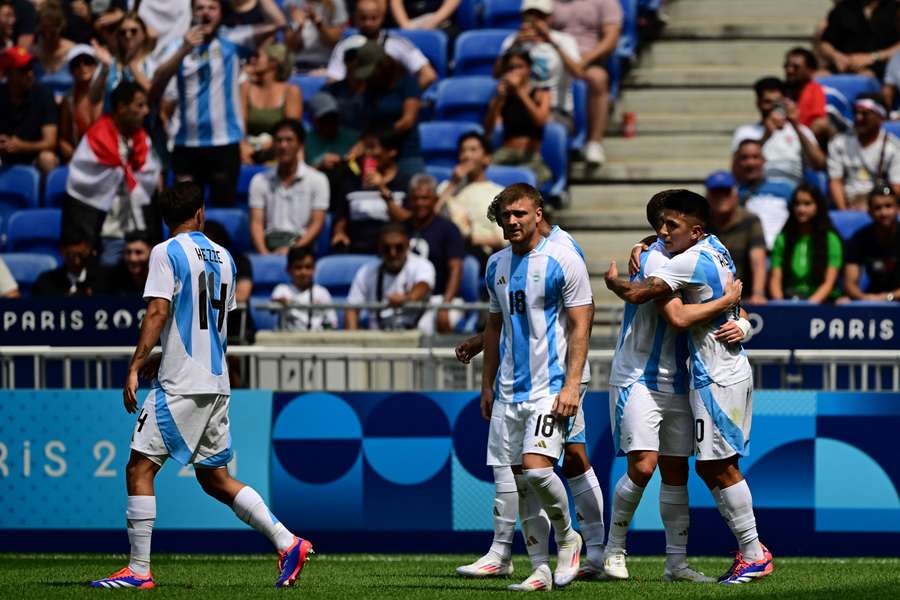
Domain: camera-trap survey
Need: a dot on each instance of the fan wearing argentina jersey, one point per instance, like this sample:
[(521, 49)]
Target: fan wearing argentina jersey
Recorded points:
[(206, 67), (583, 483), (535, 349), (721, 381), (650, 411), (189, 291)]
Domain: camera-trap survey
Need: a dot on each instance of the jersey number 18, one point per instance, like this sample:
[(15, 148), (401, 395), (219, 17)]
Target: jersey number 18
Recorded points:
[(217, 303)]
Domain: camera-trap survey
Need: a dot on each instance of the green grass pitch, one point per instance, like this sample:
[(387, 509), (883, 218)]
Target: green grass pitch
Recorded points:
[(201, 577)]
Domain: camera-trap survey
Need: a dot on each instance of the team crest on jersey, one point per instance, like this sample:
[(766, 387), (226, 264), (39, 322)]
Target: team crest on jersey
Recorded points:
[(535, 277)]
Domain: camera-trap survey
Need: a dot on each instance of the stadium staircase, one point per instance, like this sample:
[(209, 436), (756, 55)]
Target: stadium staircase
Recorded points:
[(689, 90)]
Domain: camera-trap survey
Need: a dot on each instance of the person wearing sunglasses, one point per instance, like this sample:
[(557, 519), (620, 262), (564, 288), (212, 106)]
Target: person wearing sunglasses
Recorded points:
[(131, 60)]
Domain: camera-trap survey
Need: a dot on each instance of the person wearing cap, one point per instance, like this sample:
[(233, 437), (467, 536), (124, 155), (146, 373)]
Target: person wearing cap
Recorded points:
[(369, 20), (267, 98), (740, 231), (864, 157), (28, 115), (329, 141), (78, 110)]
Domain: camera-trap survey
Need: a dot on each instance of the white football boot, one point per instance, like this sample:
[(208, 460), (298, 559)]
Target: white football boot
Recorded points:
[(686, 573), (539, 581), (568, 561), (614, 565), (487, 566)]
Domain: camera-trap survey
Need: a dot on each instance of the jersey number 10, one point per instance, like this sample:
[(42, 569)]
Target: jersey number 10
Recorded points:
[(217, 303)]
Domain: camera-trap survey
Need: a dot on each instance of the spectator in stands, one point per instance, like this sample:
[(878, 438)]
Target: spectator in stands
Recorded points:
[(301, 266), (800, 65), (253, 12), (397, 279), (25, 23), (369, 20), (132, 61), (362, 204), (858, 159), (741, 232), (787, 143), (891, 84), (875, 249), (129, 276), (763, 196), (807, 255), (207, 65), (267, 98), (8, 286), (79, 20), (287, 202), (468, 194), (7, 24), (329, 141), (425, 14), (555, 58), (596, 26), (78, 111), (113, 175), (523, 110), (316, 27), (861, 36), (28, 117), (79, 275), (436, 238), (52, 48)]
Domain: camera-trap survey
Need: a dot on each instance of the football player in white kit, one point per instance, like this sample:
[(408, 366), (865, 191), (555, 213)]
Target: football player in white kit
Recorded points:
[(189, 290), (535, 349), (650, 412), (721, 380)]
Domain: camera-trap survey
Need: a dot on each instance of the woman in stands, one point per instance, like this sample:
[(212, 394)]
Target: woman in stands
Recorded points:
[(267, 98), (425, 14), (52, 48), (316, 27), (78, 111), (807, 254), (522, 110), (132, 61)]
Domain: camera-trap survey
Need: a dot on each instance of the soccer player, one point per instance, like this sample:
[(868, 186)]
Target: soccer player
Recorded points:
[(650, 412), (721, 380), (582, 480), (189, 290), (535, 349)]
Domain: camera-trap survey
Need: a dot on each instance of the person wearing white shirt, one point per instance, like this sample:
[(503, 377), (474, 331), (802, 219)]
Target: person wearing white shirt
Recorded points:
[(301, 266)]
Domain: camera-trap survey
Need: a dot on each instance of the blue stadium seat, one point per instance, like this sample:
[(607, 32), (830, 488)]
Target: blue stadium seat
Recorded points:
[(308, 85), (555, 152), (848, 222), (235, 222), (505, 175), (247, 173), (475, 52), (433, 44), (323, 242), (628, 39), (59, 82), (36, 230), (470, 285), (439, 140), (441, 173), (815, 178), (25, 268), (893, 127), (579, 100), (850, 86), (468, 14), (19, 188), (336, 272), (55, 187), (268, 271), (502, 13), (464, 98), (263, 319)]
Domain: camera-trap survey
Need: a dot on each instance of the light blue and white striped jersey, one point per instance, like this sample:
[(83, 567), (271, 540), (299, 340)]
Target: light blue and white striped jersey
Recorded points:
[(209, 100), (532, 293), (648, 350), (699, 273), (197, 276), (561, 236)]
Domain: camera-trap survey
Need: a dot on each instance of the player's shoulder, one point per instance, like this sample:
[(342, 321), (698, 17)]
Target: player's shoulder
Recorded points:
[(561, 251), (498, 256)]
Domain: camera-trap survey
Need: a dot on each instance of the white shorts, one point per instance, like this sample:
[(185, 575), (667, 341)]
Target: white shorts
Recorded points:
[(722, 418), (643, 419), (191, 429), (519, 428)]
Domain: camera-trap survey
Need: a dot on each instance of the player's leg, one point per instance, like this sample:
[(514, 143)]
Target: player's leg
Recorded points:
[(536, 533)]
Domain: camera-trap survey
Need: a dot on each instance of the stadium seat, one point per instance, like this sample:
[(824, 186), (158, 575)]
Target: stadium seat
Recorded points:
[(268, 271), (441, 173), (819, 179), (502, 13), (247, 173), (323, 242), (838, 106), (893, 127), (55, 187), (628, 40), (440, 138), (555, 153), (850, 86), (36, 230), (468, 14), (235, 222), (464, 98), (59, 82), (262, 318), (433, 44), (19, 188), (579, 100), (25, 268), (470, 285), (848, 222), (505, 175), (475, 52), (308, 85), (336, 272)]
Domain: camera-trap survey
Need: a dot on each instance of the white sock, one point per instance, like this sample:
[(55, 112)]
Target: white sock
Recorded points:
[(535, 524), (673, 508), (625, 501), (506, 505), (551, 493), (739, 503), (139, 515), (252, 510), (589, 512), (723, 510)]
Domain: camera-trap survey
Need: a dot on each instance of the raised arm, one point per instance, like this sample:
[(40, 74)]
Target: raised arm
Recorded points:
[(192, 39)]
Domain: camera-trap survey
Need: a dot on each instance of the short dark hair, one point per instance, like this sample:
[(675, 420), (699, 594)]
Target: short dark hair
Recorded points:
[(473, 135), (387, 137), (511, 194), (292, 124), (180, 202), (688, 203), (656, 205), (746, 141), (138, 235), (768, 84), (516, 50), (808, 57), (125, 93), (299, 253), (389, 228)]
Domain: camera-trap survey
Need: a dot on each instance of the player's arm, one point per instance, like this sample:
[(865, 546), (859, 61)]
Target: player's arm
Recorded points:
[(635, 292), (579, 334), (491, 362), (732, 332), (684, 316), (634, 261), (151, 327), (469, 348)]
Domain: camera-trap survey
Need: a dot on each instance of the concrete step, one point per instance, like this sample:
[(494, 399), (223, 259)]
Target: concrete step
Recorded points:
[(602, 246), (729, 28), (812, 10), (652, 169), (700, 75), (652, 146), (651, 123), (768, 53), (598, 199), (601, 220), (701, 102)]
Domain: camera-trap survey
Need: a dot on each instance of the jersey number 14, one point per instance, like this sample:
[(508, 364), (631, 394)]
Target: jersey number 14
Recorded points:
[(205, 291)]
